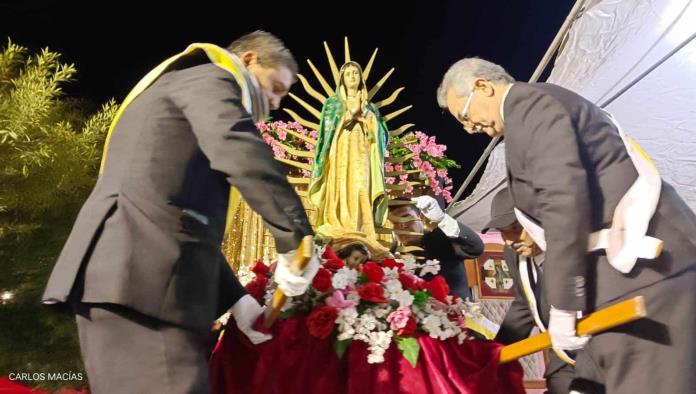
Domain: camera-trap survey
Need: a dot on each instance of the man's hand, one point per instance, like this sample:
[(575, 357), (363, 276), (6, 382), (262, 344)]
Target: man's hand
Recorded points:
[(293, 285), (562, 330), (526, 247), (245, 313), (429, 208)]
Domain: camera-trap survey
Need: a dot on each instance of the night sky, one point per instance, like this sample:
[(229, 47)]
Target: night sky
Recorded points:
[(113, 44)]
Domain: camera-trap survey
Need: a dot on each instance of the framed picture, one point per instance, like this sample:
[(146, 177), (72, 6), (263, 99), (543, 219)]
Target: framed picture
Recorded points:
[(494, 278)]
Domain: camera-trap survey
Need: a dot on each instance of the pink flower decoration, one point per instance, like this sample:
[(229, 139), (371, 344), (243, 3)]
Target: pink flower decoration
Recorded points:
[(398, 319), (268, 139), (338, 301), (262, 127)]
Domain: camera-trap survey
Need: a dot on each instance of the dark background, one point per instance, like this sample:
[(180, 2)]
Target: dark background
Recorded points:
[(114, 43)]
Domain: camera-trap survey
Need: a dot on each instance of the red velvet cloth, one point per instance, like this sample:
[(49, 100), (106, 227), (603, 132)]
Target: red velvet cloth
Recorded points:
[(294, 362)]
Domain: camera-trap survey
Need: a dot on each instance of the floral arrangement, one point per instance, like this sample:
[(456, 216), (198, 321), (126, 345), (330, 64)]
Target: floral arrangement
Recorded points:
[(426, 155), (282, 135), (424, 159), (377, 303)]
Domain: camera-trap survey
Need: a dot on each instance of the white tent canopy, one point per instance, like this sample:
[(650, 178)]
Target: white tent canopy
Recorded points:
[(637, 59)]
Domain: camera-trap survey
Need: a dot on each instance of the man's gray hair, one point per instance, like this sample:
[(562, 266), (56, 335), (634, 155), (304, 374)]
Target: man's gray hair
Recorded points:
[(270, 49), (462, 74)]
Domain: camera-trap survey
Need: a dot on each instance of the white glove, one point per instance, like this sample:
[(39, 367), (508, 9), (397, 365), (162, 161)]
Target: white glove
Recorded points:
[(245, 313), (293, 285), (429, 208), (562, 330)]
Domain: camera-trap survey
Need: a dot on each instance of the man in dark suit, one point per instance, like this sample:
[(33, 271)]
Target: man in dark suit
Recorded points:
[(445, 240), (142, 268), (572, 176), (530, 308)]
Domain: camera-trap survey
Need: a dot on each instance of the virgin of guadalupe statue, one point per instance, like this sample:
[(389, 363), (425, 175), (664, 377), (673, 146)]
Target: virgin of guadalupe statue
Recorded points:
[(347, 183)]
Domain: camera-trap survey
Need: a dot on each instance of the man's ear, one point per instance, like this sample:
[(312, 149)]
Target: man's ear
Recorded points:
[(249, 57)]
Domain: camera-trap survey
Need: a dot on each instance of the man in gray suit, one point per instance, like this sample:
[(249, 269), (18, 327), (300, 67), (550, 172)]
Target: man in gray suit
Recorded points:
[(568, 172), (530, 307), (142, 268)]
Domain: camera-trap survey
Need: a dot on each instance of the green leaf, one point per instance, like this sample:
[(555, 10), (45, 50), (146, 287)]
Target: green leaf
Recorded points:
[(409, 348), (341, 346), (362, 278), (420, 297), (286, 314)]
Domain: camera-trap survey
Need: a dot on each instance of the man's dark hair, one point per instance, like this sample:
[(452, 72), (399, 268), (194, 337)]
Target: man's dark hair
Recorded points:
[(270, 49)]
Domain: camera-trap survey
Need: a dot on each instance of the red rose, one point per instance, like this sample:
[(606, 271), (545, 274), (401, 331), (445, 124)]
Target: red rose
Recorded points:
[(257, 287), (408, 329), (391, 263), (373, 272), (410, 281), (260, 269), (329, 254), (438, 288), (322, 280), (321, 321), (372, 292), (334, 264)]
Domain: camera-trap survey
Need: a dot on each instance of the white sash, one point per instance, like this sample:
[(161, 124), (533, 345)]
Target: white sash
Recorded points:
[(631, 216)]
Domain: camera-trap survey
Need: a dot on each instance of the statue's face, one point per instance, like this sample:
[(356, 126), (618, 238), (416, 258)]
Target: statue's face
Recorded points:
[(351, 77), (355, 259)]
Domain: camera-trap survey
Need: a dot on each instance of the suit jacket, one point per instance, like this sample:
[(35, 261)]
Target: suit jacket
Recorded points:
[(519, 321), (451, 253), (149, 235), (567, 169)]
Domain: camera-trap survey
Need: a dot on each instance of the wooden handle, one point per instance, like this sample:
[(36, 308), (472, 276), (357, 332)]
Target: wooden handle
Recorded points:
[(303, 255), (609, 317)]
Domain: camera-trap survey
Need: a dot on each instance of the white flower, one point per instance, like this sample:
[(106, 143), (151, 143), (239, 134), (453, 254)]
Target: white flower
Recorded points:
[(366, 323), (379, 342), (353, 296), (391, 273), (343, 277), (348, 334), (430, 267), (375, 358), (346, 321), (393, 287), (404, 297), (381, 312), (410, 264), (431, 324), (347, 316), (462, 337)]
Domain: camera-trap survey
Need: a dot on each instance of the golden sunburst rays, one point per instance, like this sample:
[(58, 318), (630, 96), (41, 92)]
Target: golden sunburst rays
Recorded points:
[(327, 85), (329, 89)]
